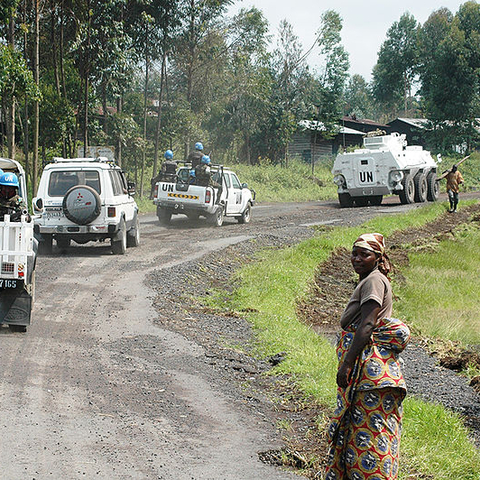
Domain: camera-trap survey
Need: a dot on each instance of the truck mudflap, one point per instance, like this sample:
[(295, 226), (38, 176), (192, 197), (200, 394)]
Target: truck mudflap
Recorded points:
[(15, 307)]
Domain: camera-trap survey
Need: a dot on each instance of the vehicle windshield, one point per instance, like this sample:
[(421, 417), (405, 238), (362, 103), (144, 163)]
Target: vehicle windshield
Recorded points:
[(62, 181)]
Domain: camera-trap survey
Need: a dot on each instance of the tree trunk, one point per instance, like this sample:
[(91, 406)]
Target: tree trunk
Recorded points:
[(10, 119), (119, 139), (159, 118), (36, 106), (54, 46), (145, 98), (26, 142), (86, 83)]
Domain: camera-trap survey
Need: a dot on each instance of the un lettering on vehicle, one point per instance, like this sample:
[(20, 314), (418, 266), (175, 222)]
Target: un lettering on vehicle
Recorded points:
[(366, 177), (166, 187)]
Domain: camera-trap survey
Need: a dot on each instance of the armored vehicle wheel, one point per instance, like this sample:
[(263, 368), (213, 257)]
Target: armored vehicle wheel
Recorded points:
[(361, 201), (217, 218), (420, 181), (433, 187), (133, 235), (246, 215), (407, 195), (164, 215), (119, 245), (345, 200), (82, 204), (375, 199)]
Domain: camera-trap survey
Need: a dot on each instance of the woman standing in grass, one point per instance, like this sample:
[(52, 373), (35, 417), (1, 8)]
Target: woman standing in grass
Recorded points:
[(365, 430)]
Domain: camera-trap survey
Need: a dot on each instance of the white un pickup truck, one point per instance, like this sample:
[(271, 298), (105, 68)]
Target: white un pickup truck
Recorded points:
[(222, 196), (18, 253)]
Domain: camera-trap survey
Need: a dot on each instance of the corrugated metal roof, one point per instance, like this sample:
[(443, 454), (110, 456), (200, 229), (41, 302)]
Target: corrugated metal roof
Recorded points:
[(319, 126)]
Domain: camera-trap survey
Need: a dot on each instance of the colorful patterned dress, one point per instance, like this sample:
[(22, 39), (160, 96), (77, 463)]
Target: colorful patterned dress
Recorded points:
[(366, 426)]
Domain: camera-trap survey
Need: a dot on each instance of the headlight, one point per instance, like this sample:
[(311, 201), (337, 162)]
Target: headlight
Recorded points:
[(339, 180), (396, 176)]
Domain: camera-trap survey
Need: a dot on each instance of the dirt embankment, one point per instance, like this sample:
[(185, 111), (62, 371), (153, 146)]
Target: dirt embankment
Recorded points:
[(305, 443)]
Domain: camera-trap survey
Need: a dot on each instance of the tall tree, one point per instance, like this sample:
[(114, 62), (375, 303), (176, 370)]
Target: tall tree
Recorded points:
[(394, 73), (328, 104), (359, 98)]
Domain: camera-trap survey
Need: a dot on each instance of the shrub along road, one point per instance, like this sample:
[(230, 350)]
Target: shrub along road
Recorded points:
[(123, 374)]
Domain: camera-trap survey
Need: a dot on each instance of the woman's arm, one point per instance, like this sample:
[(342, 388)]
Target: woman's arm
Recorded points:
[(370, 310)]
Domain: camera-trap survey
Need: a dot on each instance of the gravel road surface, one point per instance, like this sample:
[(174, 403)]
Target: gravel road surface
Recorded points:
[(115, 380)]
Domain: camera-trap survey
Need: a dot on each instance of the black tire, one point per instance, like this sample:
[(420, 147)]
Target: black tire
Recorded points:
[(375, 200), (164, 215), (216, 218), (345, 200), (81, 204), (246, 215), (433, 187), (18, 328), (360, 201), (63, 242), (421, 188), (133, 235), (119, 245), (45, 245), (407, 195)]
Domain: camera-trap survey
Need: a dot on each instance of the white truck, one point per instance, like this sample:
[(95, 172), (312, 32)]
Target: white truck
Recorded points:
[(18, 253), (83, 200), (223, 197), (385, 165)]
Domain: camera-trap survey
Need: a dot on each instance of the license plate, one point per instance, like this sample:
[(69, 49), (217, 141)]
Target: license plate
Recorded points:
[(7, 283), (54, 214)]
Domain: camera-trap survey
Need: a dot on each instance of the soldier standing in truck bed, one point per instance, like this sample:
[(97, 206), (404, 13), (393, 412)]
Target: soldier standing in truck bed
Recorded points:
[(10, 202), (195, 157)]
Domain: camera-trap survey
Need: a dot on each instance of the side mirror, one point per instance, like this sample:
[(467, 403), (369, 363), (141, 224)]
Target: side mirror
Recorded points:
[(244, 185), (37, 204), (131, 188)]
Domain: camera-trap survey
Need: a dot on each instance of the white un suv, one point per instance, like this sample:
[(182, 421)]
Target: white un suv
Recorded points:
[(85, 199)]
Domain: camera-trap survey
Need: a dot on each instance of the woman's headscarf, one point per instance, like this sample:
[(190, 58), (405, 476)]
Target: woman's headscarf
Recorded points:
[(375, 243)]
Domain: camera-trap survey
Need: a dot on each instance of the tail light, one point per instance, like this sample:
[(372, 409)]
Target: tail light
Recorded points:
[(8, 267), (155, 192), (208, 196), (112, 212)]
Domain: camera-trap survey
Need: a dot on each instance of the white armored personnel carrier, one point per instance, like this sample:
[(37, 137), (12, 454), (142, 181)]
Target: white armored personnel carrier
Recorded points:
[(385, 165)]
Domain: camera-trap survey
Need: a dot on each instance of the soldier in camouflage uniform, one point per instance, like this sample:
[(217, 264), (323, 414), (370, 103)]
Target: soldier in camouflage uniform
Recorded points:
[(10, 202)]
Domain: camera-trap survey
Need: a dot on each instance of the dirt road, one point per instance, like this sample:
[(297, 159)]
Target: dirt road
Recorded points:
[(102, 386)]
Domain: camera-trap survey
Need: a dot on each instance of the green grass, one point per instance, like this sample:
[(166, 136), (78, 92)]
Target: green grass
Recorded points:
[(268, 293), (440, 295), (274, 183)]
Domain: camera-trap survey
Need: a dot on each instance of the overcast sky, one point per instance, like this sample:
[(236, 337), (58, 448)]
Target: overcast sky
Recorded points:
[(365, 23)]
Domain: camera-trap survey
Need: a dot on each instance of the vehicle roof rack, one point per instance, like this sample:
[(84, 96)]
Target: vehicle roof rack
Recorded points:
[(80, 159)]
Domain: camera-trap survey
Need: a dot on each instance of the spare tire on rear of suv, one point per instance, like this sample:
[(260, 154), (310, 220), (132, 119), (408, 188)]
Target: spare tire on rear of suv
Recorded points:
[(82, 204)]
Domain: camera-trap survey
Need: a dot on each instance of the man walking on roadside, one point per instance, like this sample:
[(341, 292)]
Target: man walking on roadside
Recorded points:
[(454, 180)]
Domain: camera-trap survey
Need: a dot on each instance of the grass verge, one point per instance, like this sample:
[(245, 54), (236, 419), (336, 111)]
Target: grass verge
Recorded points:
[(268, 293), (440, 291)]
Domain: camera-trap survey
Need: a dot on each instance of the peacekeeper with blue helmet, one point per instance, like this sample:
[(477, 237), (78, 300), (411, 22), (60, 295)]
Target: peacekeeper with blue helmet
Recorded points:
[(10, 202), (195, 157), (167, 170)]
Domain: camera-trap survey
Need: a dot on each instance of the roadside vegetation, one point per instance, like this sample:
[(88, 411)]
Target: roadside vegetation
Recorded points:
[(435, 442)]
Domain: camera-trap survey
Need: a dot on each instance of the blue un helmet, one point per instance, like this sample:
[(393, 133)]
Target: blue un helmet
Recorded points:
[(192, 173), (199, 146), (168, 155), (206, 160), (9, 179)]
